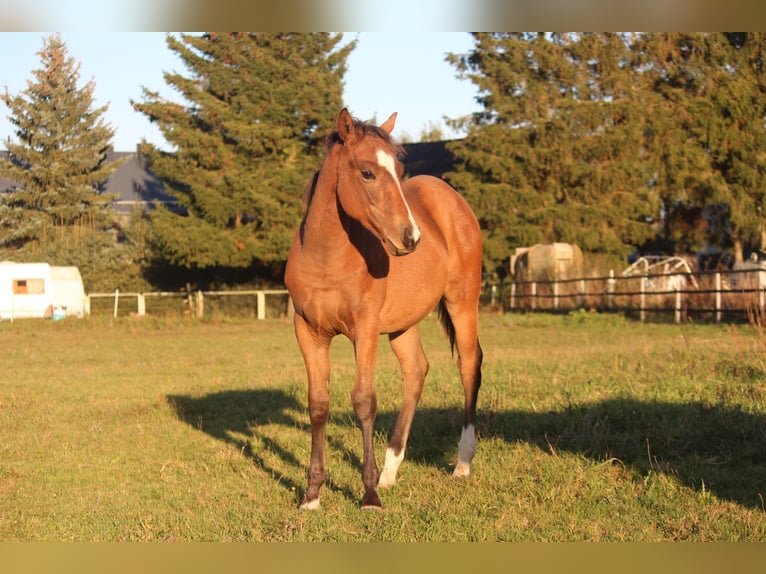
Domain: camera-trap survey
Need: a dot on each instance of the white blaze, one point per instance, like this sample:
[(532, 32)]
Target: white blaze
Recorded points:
[(386, 161)]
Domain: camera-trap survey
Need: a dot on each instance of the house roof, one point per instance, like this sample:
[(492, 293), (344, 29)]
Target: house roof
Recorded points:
[(428, 158), (134, 185)]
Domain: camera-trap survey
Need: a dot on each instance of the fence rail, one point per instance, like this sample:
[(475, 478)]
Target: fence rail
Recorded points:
[(716, 293), (260, 303)]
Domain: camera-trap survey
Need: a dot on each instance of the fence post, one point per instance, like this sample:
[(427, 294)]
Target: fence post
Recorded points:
[(141, 304), (718, 297), (200, 311), (86, 307), (260, 299), (582, 292), (760, 291), (610, 290), (116, 301), (678, 304), (189, 301), (555, 294), (533, 295), (642, 298), (513, 294), (290, 308)]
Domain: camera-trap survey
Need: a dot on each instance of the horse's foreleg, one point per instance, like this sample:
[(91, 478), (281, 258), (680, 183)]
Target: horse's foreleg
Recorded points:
[(466, 323), (409, 351), (316, 355), (365, 404)]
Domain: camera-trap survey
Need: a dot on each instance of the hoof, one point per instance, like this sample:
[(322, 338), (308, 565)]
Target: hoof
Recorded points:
[(387, 480), (371, 501), (309, 504), (462, 470)]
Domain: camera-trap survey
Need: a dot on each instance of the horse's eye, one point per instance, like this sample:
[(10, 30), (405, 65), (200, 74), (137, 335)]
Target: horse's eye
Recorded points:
[(368, 175)]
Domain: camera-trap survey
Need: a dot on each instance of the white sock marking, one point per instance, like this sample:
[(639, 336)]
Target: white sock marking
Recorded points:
[(390, 468), (386, 160), (465, 450), (311, 505)]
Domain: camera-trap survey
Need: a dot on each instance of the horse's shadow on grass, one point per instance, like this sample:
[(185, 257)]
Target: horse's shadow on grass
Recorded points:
[(716, 447), (235, 417)]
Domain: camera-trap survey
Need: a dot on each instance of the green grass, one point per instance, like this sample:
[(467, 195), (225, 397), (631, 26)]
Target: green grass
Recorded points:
[(591, 427)]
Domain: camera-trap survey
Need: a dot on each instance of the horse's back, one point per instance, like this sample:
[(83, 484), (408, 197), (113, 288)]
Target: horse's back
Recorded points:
[(442, 202), (433, 200)]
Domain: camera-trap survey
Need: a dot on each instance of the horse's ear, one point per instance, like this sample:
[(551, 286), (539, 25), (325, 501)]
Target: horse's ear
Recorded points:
[(346, 126), (388, 125)]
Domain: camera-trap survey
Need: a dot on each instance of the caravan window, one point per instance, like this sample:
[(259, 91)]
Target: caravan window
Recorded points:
[(28, 286)]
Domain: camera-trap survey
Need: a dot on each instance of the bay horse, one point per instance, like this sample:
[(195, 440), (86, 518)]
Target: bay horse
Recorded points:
[(375, 255)]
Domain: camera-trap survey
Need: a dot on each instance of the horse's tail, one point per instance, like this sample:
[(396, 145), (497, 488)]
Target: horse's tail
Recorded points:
[(446, 322)]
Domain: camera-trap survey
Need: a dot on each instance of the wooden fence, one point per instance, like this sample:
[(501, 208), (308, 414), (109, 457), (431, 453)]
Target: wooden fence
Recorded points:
[(717, 294), (258, 303)]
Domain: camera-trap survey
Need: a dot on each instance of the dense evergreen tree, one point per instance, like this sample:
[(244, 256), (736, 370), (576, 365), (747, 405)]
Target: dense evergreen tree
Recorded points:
[(555, 154), (737, 138), (247, 138), (60, 160), (707, 138), (616, 141)]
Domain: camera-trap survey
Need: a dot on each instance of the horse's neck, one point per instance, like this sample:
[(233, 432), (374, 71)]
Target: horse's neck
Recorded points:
[(335, 242), (323, 230)]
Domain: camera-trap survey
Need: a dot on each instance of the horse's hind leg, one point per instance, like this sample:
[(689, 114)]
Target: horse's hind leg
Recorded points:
[(464, 317), (408, 349), (316, 355)]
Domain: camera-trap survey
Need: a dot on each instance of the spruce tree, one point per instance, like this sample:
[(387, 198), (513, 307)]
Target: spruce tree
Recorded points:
[(730, 128), (60, 159), (246, 139), (706, 136), (554, 155)]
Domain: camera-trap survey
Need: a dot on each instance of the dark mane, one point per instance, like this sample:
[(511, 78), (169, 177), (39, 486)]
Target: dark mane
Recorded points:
[(308, 193), (365, 129), (362, 129)]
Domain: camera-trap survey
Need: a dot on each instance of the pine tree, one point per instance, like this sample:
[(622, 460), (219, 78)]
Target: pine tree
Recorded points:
[(245, 143), (554, 154), (61, 157)]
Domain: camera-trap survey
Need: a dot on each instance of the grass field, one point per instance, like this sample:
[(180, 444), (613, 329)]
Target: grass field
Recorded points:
[(591, 427)]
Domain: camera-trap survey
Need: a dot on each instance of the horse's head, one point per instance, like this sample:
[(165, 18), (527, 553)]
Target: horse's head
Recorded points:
[(369, 185)]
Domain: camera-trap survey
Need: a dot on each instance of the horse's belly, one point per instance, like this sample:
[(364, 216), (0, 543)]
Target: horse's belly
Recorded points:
[(414, 289)]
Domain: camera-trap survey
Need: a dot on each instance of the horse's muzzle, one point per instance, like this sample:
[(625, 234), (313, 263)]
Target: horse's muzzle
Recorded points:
[(409, 243), (410, 240)]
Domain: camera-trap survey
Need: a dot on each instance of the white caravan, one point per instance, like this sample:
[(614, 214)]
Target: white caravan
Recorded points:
[(29, 290)]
